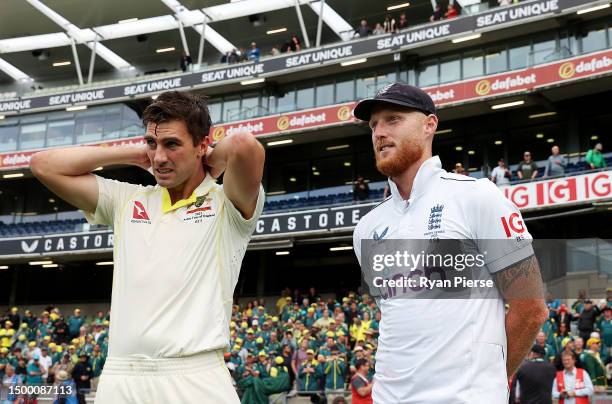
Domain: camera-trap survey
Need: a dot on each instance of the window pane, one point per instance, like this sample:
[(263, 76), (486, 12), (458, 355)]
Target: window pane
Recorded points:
[(495, 60), (385, 79), (366, 87), (519, 57), (428, 75), (60, 133), (131, 123), (286, 102), (231, 110), (450, 71), (345, 91), (568, 45), (472, 65), (272, 100), (408, 76), (325, 94), (32, 136), (250, 107), (595, 40), (112, 123), (8, 134), (215, 112), (89, 126), (544, 50), (305, 98)]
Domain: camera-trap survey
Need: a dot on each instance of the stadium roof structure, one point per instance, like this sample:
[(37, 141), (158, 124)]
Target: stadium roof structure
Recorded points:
[(128, 38)]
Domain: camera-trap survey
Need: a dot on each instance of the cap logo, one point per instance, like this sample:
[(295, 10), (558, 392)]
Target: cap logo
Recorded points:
[(384, 90)]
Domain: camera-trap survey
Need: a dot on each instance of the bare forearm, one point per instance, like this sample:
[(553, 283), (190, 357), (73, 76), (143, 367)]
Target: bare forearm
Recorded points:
[(75, 161), (520, 334), (223, 152), (521, 286), (242, 157)]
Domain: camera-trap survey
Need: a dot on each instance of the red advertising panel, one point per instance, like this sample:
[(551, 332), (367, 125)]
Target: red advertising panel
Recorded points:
[(561, 191)]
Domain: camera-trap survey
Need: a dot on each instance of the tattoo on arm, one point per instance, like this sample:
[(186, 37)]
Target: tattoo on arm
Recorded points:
[(522, 279)]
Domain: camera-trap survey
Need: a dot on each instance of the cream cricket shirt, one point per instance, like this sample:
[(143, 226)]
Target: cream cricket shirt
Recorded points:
[(175, 267), (447, 350)]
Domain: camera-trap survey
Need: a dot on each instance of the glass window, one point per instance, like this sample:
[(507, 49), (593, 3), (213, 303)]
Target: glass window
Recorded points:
[(250, 106), (495, 60), (594, 40), (428, 74), (32, 134), (215, 112), (89, 126), (272, 104), (305, 98), (544, 50), (112, 123), (131, 124), (345, 91), (324, 94), (286, 102), (385, 79), (568, 45), (450, 71), (9, 130), (408, 76), (60, 132), (472, 65), (231, 110), (519, 56), (366, 87)]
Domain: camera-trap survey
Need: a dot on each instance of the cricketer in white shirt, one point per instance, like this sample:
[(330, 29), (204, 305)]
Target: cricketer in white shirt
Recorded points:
[(448, 350)]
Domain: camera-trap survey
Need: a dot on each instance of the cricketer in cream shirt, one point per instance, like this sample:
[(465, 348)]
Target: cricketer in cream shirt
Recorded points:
[(175, 267)]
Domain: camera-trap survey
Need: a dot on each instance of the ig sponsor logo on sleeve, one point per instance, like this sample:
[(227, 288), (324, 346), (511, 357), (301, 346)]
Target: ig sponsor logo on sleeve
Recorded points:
[(513, 224)]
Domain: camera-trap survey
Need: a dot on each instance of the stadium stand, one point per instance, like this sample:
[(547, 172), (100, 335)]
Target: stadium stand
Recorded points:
[(282, 203), (273, 341)]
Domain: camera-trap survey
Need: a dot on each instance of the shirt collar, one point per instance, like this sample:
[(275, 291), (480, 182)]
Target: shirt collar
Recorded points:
[(201, 189), (572, 372), (426, 172)]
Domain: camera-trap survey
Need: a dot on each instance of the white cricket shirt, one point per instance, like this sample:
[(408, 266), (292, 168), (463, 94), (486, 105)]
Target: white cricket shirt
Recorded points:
[(176, 267), (448, 350)]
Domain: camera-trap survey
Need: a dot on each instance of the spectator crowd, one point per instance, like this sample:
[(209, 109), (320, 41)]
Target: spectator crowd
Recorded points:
[(54, 349), (391, 25), (253, 53), (555, 166), (306, 345), (309, 346), (572, 354)]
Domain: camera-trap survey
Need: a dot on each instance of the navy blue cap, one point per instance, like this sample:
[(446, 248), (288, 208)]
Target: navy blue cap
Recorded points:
[(400, 94)]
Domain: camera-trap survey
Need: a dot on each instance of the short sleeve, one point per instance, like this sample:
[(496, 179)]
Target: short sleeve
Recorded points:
[(357, 383), (112, 195), (499, 228), (238, 224), (519, 167)]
